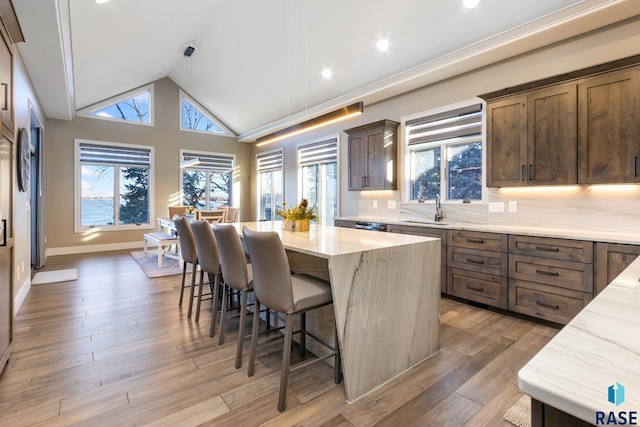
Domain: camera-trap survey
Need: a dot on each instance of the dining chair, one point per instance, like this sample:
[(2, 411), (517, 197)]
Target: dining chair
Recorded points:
[(237, 275), (177, 211), (232, 214), (209, 260), (218, 215), (189, 255), (279, 290)]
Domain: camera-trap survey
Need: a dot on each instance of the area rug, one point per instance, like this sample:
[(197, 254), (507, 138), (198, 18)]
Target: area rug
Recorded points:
[(54, 276), (149, 264), (520, 413)]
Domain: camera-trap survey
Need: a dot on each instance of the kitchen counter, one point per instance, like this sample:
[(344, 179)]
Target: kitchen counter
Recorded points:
[(631, 238), (386, 296), (597, 349)]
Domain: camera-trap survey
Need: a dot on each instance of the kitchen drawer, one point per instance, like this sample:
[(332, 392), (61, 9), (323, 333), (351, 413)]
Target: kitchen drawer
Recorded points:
[(484, 288), (477, 240), (561, 249), (477, 260), (546, 302), (565, 274)]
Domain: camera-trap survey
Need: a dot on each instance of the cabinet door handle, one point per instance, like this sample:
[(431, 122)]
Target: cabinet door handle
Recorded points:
[(548, 273), (475, 261), (635, 165), (4, 233), (473, 288), (547, 248), (363, 182), (475, 240), (530, 174), (5, 105), (551, 306), (522, 173)]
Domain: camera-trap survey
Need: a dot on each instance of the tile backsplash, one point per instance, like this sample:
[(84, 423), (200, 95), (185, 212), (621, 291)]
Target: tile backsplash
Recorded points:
[(608, 208)]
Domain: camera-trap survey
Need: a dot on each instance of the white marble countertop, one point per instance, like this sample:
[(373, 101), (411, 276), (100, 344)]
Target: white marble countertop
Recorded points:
[(631, 238), (326, 240), (597, 349)]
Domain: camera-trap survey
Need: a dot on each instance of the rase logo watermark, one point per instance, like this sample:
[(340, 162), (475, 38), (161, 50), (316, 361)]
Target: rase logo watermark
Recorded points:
[(615, 395)]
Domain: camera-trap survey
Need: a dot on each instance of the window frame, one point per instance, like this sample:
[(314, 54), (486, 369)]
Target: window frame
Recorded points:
[(87, 112), (258, 180), (232, 200), (443, 145), (78, 228), (225, 131), (320, 163)]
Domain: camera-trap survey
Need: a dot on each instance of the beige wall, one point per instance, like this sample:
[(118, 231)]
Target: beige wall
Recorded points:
[(167, 139), (615, 42), (24, 98)]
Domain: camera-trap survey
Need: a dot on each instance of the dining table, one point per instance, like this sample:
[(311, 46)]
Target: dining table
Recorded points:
[(386, 296)]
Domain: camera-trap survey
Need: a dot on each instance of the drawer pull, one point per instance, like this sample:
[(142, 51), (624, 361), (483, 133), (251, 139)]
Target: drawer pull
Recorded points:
[(548, 273), (473, 288), (475, 240), (551, 306), (547, 248), (475, 261), (5, 105)]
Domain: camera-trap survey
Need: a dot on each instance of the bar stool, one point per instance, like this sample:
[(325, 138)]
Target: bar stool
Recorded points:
[(237, 275), (209, 259), (189, 255), (278, 290)]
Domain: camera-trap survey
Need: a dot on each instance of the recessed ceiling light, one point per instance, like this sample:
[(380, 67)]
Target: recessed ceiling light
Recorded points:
[(326, 73), (470, 4), (382, 45), (101, 1)]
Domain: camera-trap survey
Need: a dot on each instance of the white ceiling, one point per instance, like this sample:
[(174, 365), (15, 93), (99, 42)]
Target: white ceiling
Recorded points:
[(258, 63)]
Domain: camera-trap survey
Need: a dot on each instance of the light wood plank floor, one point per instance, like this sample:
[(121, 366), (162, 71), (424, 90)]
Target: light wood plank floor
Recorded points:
[(114, 349)]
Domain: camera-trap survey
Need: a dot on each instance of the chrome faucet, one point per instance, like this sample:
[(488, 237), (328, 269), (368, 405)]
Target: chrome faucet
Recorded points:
[(439, 214)]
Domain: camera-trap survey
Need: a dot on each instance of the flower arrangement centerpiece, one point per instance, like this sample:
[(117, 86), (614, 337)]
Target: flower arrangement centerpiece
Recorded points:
[(297, 219), (189, 212)]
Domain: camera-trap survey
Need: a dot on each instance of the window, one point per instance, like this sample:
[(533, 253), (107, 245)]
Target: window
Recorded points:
[(133, 107), (445, 154), (318, 166), (270, 184), (207, 179), (113, 185), (195, 118)]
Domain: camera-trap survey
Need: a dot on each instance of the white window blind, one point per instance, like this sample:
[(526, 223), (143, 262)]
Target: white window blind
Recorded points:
[(211, 162), (111, 154), (456, 123), (318, 152), (269, 161)]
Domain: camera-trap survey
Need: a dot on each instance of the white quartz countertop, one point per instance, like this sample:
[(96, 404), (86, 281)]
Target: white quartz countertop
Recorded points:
[(597, 349), (326, 240), (632, 237)]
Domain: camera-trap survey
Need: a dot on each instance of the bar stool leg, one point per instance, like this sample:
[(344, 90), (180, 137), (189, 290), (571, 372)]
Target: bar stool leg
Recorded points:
[(214, 304), (303, 336), (254, 338), (286, 360), (223, 316), (243, 314), (192, 293), (199, 295), (184, 276), (338, 360)]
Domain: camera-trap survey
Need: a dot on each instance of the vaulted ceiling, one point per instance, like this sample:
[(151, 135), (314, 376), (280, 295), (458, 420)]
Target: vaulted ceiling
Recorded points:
[(258, 64)]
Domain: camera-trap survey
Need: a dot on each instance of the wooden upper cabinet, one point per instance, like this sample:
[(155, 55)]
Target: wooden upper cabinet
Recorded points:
[(552, 136), (609, 127), (373, 156), (532, 138), (506, 141), (6, 86)]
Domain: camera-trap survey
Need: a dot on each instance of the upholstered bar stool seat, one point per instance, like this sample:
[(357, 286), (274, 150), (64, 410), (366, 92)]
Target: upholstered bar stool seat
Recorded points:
[(278, 290)]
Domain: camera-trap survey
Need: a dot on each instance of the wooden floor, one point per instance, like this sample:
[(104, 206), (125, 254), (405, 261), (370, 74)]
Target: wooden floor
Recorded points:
[(114, 349)]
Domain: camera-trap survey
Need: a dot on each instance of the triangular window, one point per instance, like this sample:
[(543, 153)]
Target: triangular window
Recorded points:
[(132, 107), (194, 118)]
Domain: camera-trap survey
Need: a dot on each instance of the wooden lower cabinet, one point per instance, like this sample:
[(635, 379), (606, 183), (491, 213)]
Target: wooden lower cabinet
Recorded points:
[(611, 260), (479, 287), (543, 415)]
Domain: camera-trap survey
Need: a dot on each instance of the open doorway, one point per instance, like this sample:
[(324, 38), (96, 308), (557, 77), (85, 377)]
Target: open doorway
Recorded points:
[(37, 193)]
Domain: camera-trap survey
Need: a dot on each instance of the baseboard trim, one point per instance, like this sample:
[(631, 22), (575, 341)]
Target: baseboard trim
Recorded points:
[(20, 297), (70, 250)]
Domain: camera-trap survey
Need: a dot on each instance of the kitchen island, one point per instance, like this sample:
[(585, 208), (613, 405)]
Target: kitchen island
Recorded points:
[(386, 297), (584, 370)]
